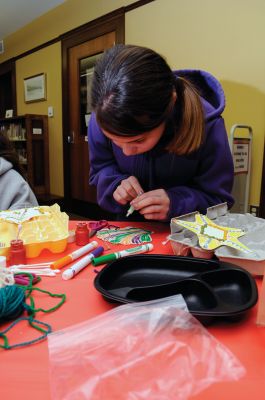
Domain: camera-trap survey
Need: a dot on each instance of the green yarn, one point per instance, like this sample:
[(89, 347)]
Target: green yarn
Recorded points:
[(13, 303), (29, 289), (6, 344)]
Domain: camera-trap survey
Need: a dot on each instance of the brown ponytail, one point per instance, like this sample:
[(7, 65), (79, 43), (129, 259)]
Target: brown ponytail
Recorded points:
[(189, 129)]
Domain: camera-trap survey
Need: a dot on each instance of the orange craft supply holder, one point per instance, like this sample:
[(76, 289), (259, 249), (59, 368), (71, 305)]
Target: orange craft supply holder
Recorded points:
[(48, 230)]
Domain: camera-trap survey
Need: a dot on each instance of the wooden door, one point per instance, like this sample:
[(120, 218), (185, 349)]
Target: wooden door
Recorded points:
[(80, 50), (82, 59)]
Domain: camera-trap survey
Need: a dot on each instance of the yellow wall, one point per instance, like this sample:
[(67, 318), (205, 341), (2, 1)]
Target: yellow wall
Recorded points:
[(67, 16), (226, 38), (47, 60), (63, 18)]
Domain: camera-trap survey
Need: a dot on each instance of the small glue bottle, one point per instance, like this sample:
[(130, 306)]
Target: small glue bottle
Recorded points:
[(81, 234), (17, 252)]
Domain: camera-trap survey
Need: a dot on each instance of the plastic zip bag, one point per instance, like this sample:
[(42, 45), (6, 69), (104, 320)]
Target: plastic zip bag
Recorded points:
[(150, 350)]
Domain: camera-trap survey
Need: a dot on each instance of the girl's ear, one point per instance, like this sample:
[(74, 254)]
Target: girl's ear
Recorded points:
[(174, 96)]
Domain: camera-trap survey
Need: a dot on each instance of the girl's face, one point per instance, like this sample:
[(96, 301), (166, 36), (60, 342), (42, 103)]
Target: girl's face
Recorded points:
[(137, 144)]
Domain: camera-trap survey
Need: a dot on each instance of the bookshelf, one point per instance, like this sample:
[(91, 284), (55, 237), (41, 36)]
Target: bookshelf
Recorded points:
[(29, 136)]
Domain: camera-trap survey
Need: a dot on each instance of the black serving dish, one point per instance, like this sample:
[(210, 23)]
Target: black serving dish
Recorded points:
[(212, 289)]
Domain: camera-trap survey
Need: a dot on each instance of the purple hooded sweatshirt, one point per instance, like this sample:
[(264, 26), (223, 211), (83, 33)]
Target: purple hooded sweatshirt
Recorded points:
[(193, 182)]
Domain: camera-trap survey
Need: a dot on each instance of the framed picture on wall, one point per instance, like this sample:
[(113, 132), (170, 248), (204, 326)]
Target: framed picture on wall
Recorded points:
[(35, 88)]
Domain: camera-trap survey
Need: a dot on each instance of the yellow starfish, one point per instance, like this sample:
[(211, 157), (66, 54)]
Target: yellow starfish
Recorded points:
[(212, 236)]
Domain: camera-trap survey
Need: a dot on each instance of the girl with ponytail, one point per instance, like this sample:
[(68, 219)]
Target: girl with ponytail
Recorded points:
[(157, 140)]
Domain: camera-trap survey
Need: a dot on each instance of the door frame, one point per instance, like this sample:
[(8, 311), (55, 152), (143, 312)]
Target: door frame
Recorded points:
[(114, 21), (9, 67)]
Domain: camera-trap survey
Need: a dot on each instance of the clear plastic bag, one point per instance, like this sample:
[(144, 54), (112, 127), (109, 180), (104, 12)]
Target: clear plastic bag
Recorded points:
[(151, 350)]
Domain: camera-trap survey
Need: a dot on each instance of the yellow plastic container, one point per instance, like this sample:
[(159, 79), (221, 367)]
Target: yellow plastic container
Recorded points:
[(49, 230)]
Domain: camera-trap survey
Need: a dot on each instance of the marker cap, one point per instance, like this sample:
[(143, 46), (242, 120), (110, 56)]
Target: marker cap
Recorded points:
[(104, 259), (68, 274), (99, 250)]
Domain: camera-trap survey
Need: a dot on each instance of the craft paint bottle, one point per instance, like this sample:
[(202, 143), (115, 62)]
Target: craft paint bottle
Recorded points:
[(17, 252), (81, 234)]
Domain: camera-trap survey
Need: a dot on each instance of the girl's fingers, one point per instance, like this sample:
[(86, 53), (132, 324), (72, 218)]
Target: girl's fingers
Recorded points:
[(127, 190), (121, 196), (135, 187), (153, 205)]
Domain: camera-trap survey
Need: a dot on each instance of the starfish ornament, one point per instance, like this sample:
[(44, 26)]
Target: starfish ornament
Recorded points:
[(212, 236)]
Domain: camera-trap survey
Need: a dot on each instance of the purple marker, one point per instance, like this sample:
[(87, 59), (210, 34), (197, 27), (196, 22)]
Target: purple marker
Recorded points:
[(79, 265)]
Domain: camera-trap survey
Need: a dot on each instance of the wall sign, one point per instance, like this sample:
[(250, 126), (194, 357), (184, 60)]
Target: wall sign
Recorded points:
[(241, 156)]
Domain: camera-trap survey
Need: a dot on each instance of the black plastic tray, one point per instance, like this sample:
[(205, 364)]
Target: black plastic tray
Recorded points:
[(211, 289)]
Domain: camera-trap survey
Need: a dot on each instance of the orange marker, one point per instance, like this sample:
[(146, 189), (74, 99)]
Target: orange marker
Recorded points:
[(73, 256)]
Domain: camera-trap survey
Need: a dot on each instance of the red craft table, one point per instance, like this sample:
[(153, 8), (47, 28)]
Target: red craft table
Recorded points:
[(24, 372)]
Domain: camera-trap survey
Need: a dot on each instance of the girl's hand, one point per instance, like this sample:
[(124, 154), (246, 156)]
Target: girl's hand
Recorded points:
[(153, 205), (128, 190)]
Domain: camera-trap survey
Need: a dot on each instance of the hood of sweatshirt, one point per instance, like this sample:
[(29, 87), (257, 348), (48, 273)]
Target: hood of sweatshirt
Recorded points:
[(4, 166), (209, 88)]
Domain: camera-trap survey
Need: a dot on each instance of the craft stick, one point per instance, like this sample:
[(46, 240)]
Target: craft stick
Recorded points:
[(31, 266), (43, 272)]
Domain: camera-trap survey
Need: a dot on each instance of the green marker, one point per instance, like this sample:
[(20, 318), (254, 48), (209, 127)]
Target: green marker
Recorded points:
[(123, 253), (130, 211)]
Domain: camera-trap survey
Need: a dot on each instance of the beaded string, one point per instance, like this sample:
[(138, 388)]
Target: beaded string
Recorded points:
[(17, 295)]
